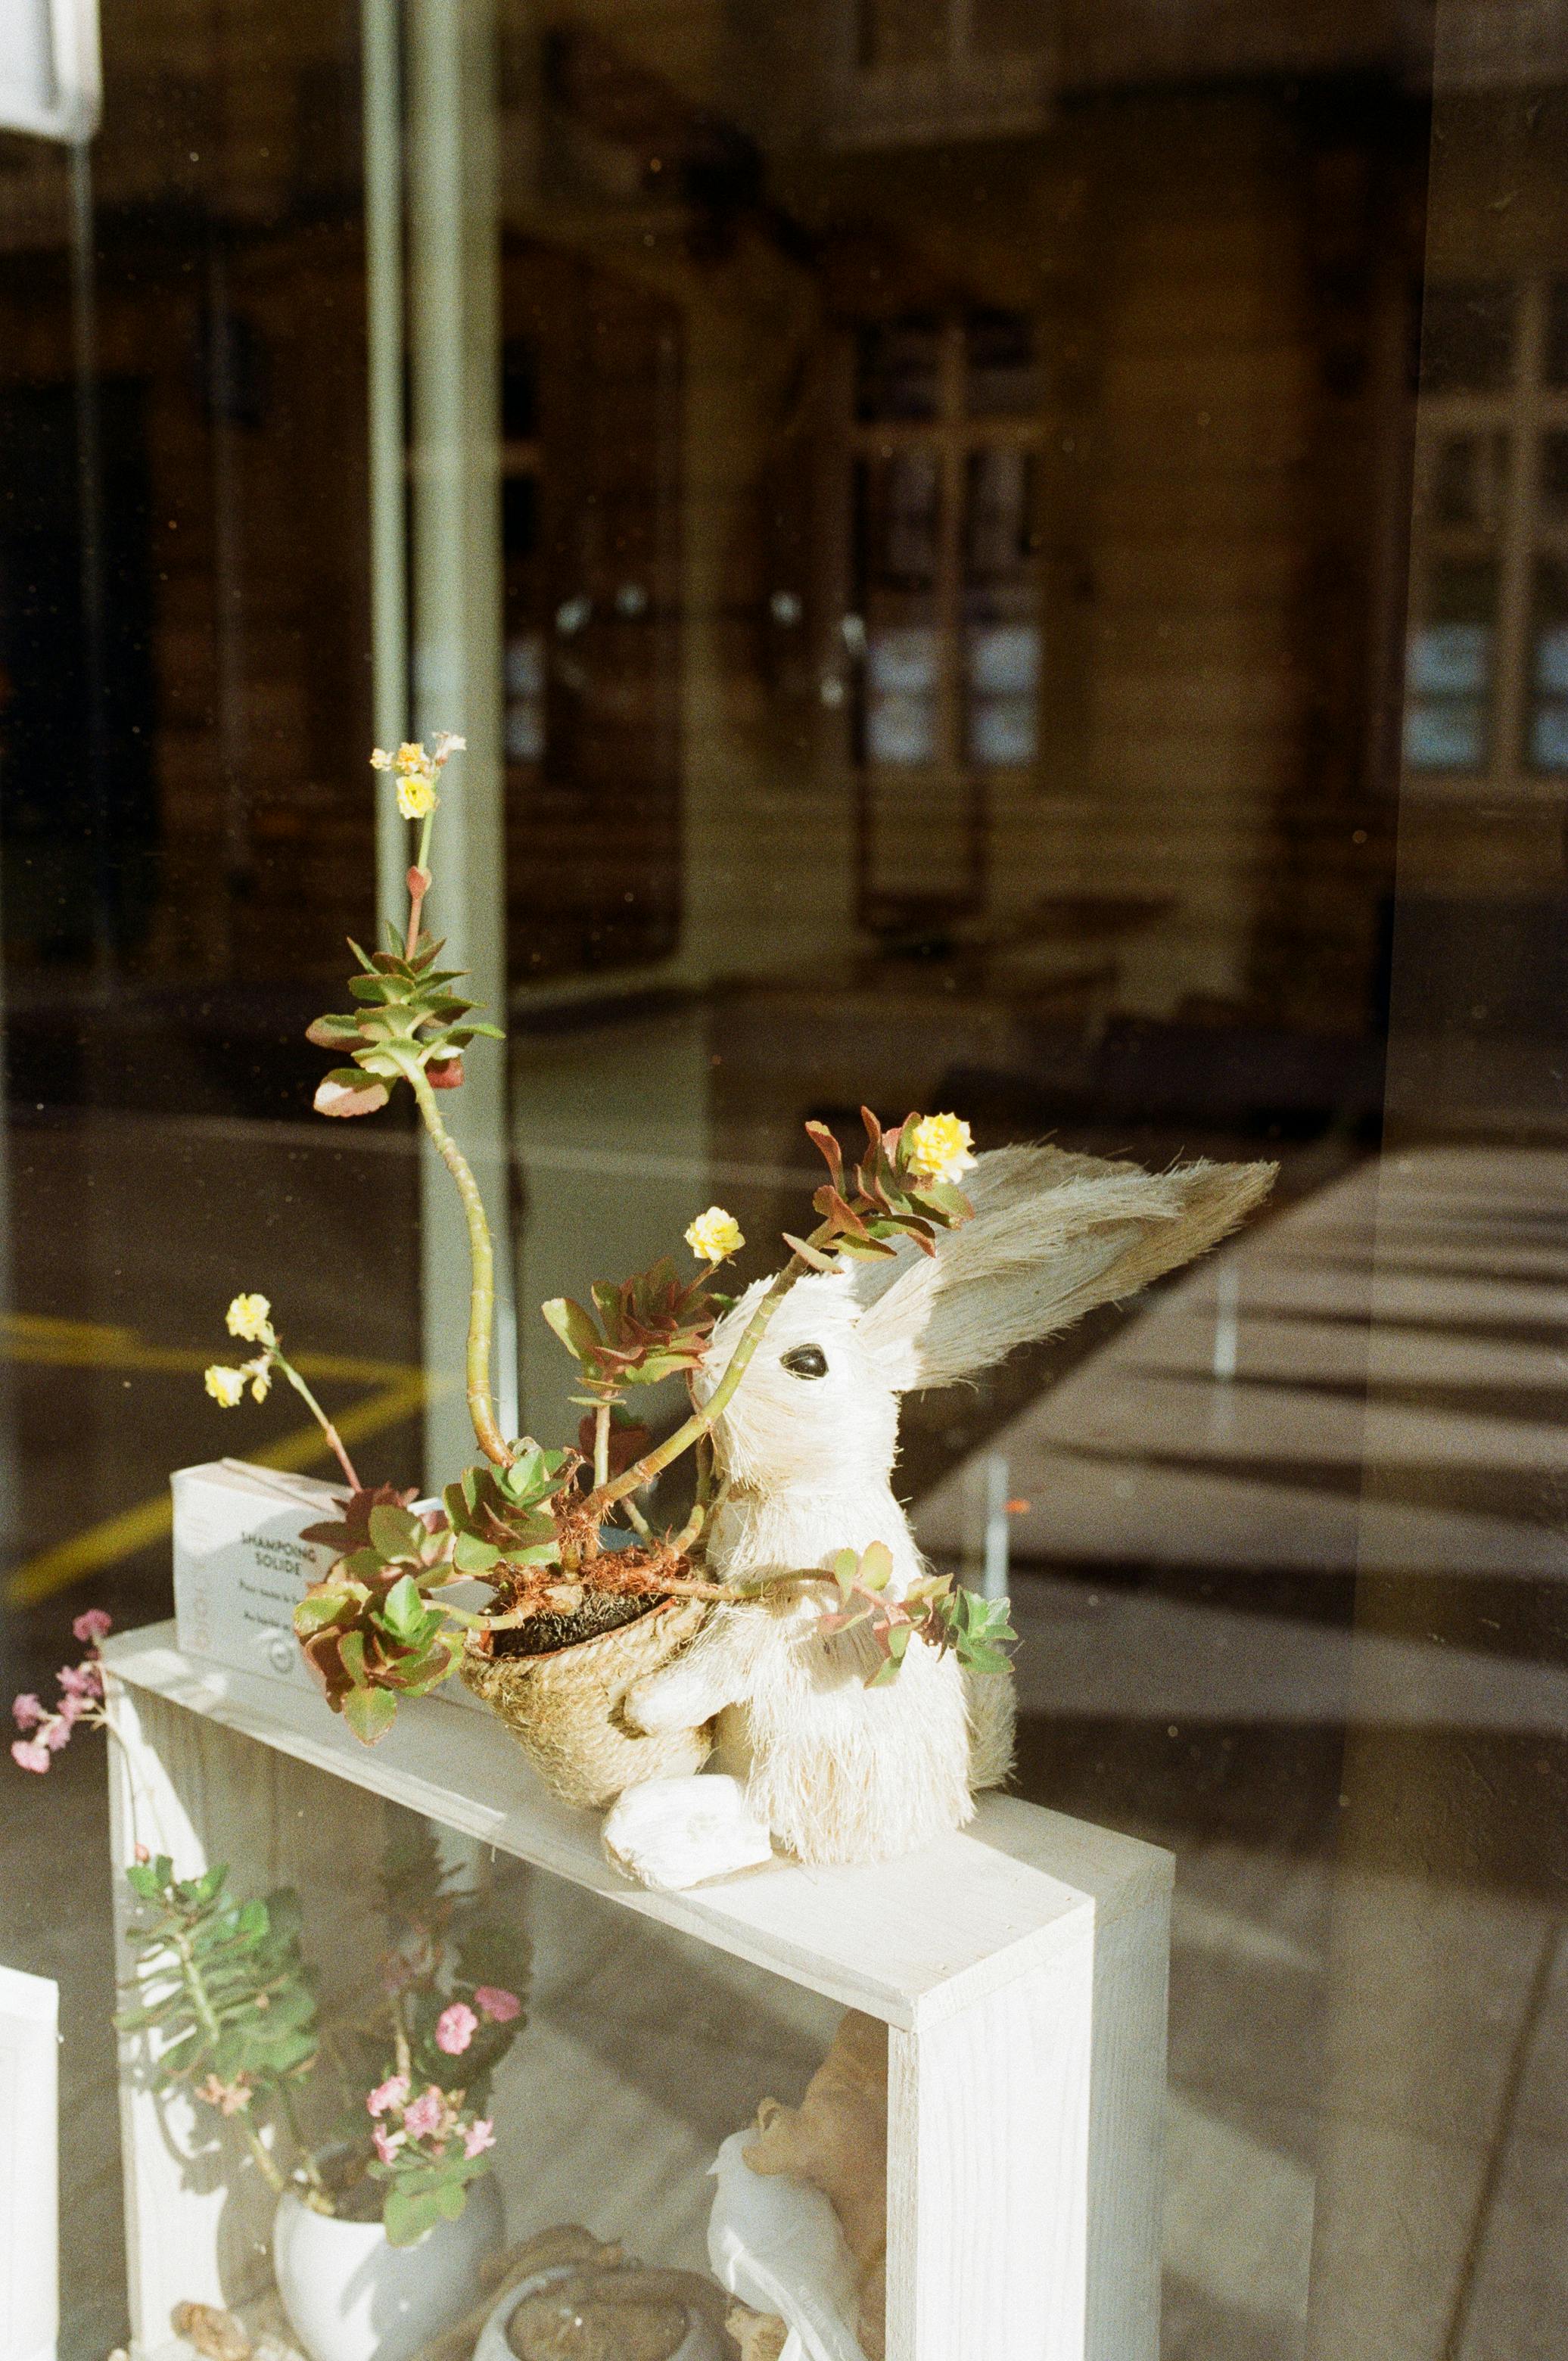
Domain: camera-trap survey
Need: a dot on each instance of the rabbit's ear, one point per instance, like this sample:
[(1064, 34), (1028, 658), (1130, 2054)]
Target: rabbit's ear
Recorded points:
[(1052, 1234)]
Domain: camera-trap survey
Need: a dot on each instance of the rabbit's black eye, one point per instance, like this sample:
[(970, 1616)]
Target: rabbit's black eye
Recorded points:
[(806, 1361)]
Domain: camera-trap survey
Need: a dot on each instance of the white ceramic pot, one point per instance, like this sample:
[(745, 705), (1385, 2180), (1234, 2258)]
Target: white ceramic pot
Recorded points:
[(351, 2297)]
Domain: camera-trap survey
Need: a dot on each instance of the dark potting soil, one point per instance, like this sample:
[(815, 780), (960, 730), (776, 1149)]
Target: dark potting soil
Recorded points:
[(545, 1635)]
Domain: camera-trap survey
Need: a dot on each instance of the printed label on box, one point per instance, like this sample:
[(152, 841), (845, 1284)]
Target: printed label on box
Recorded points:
[(241, 1566)]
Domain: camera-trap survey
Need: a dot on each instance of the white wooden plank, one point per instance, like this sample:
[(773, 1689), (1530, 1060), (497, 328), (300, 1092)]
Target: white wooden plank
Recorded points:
[(1024, 2158), (29, 2176), (963, 1917)]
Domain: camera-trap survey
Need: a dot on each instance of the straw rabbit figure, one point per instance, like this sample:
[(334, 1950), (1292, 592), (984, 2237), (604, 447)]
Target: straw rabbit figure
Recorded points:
[(834, 1771)]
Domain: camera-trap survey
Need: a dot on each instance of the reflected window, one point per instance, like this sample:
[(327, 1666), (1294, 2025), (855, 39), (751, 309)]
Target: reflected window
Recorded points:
[(944, 640), (903, 678), (1555, 359), (1002, 372), (1449, 673), (1547, 713), (1467, 480), (1487, 665), (898, 366)]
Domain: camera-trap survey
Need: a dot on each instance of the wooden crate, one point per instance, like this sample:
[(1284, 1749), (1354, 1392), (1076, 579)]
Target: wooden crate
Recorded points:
[(1020, 1967)]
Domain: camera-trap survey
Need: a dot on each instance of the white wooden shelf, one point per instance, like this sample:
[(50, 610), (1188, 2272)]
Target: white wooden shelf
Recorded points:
[(1021, 1967)]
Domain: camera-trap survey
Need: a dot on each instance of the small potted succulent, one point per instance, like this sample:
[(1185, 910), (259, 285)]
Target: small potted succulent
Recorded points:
[(381, 2224), (586, 1597)]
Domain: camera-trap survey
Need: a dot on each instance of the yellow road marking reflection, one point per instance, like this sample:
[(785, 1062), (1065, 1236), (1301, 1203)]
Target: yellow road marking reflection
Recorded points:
[(400, 1391)]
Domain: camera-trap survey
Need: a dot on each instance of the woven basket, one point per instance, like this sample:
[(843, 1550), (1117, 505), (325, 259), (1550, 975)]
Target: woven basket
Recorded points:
[(563, 1709)]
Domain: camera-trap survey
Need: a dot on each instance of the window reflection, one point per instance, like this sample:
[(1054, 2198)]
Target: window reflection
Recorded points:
[(1449, 672), (1547, 724)]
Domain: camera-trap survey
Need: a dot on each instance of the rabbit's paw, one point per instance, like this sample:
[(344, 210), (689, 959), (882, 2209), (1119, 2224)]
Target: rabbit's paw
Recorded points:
[(671, 1833), (682, 1695)]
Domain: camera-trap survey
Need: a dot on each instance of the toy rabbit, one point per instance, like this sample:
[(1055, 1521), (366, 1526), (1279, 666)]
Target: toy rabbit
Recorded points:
[(822, 1765)]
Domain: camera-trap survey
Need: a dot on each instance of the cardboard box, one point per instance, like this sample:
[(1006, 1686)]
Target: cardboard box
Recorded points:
[(241, 1567)]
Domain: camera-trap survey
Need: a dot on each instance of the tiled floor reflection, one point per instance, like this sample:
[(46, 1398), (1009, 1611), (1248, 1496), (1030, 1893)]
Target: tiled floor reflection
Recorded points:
[(1368, 2129)]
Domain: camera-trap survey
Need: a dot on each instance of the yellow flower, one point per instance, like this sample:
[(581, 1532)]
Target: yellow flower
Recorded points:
[(416, 795), (225, 1385), (380, 760), (411, 757), (260, 1372), (939, 1148), (247, 1318), (715, 1235)]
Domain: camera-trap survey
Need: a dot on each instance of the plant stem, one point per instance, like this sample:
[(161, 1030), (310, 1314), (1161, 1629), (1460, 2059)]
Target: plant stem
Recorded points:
[(601, 1444), (317, 1412), (320, 2199), (702, 1421), (482, 1265), (401, 2037), (419, 886), (208, 2018)]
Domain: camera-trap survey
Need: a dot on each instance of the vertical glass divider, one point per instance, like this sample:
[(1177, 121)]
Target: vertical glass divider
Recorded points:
[(381, 38), (454, 315)]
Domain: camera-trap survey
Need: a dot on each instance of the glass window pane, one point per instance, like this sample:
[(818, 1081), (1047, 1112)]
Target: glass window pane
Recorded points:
[(1546, 725), (1000, 352), (902, 674), (1552, 480), (1468, 480), (898, 369), (1554, 363), (1449, 662)]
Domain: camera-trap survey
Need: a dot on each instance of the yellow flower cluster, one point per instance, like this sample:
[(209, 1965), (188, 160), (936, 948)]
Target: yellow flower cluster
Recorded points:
[(939, 1148), (227, 1386), (715, 1235), (416, 777), (248, 1318)]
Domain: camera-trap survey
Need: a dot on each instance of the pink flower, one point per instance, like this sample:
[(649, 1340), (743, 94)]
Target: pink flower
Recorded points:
[(387, 2143), (499, 2005), (29, 1754), (229, 2098), (55, 1734), (392, 2092), (81, 1680), (425, 2114), (72, 1710), (455, 2027), (478, 2137), (26, 1710), (93, 1627)]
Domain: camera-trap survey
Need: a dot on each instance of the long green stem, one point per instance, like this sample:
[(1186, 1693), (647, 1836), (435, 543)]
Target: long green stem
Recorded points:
[(482, 1263), (207, 2016), (702, 1421), (317, 1412)]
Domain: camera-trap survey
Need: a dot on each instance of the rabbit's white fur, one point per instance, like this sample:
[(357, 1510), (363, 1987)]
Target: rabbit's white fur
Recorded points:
[(840, 1771)]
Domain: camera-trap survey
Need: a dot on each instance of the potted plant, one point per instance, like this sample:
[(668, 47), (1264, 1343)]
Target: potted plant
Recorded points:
[(380, 2224), (586, 1597)]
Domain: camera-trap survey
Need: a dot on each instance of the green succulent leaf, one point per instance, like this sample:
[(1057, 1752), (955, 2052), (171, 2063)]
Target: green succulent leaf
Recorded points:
[(369, 1713)]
